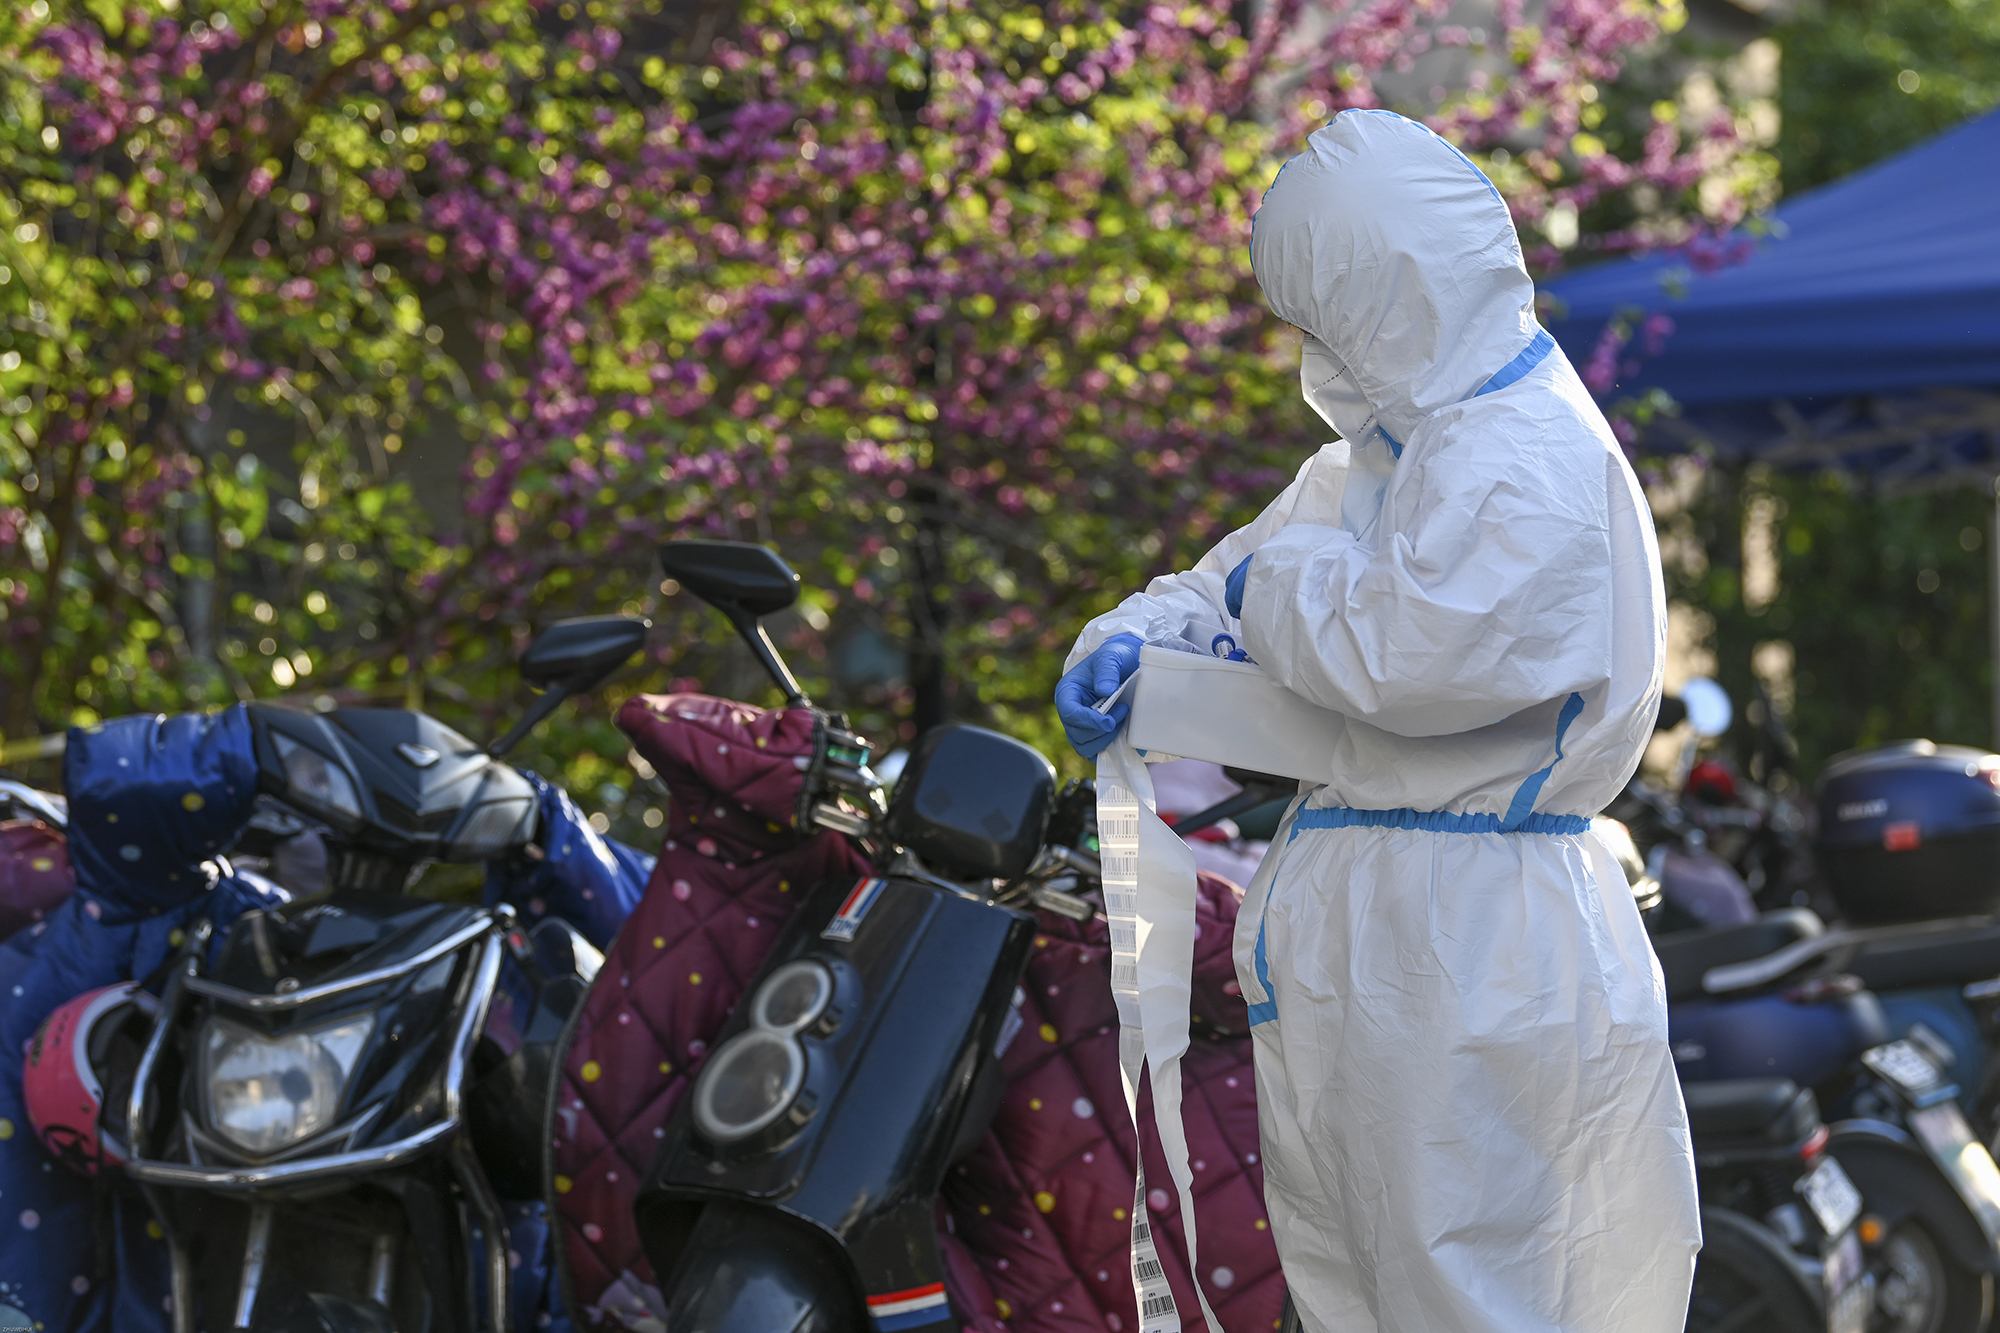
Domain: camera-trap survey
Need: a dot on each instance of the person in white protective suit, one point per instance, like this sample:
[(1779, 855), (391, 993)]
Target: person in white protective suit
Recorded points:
[(1469, 1113)]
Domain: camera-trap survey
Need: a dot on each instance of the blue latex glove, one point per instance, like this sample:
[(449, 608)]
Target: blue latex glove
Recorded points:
[(1093, 679), (1232, 590)]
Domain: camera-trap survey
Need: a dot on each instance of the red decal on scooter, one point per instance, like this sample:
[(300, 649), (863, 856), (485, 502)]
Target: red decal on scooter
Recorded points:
[(855, 906), (896, 1310)]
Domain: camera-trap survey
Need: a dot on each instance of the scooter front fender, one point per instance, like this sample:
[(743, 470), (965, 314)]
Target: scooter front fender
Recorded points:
[(751, 1268), (1898, 1179)]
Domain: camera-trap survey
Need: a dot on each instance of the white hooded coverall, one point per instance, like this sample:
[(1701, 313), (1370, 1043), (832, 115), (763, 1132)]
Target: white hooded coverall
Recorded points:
[(1469, 1114)]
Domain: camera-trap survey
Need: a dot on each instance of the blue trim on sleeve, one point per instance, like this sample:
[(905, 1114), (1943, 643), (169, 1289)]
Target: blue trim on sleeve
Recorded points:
[(1530, 357), (1395, 445), (1524, 799)]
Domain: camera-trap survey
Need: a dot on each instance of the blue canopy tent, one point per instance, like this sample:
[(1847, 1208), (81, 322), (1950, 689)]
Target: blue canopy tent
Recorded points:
[(1863, 333), (1884, 284)]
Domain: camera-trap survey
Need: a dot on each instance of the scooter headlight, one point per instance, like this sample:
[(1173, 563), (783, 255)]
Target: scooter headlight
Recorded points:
[(748, 1085), (490, 830), (315, 781), (266, 1092), (792, 997)]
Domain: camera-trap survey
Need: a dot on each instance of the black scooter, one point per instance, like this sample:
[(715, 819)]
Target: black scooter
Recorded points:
[(1761, 996), (319, 1121), (796, 1188), (1779, 1249), (1779, 1214)]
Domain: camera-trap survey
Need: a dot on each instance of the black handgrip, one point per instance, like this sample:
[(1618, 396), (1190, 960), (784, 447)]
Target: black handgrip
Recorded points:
[(1250, 777)]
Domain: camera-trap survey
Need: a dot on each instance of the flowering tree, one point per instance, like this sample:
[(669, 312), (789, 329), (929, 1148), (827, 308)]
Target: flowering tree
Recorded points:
[(948, 300)]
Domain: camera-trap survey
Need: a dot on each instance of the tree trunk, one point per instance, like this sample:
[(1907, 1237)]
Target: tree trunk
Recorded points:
[(930, 610)]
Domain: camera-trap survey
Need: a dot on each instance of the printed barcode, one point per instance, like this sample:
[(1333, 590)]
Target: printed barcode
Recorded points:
[(1147, 1269), (1124, 974), (1163, 1303), (1142, 1231)]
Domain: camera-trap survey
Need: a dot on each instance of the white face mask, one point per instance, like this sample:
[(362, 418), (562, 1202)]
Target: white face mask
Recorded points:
[(1332, 393)]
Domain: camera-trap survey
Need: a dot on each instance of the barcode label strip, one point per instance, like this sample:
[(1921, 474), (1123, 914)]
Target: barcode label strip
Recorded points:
[(1119, 819)]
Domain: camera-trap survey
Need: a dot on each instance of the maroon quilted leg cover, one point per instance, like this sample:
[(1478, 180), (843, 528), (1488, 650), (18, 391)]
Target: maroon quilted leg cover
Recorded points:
[(34, 873), (730, 873), (1042, 1206)]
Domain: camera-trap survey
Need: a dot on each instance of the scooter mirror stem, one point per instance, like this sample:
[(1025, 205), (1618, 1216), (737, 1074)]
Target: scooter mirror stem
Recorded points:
[(550, 700), (760, 643)]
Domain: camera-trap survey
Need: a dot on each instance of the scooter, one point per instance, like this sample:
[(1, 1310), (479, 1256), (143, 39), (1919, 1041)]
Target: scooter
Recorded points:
[(1778, 1213), (1932, 1228), (1780, 1248), (323, 1121), (1901, 839), (1756, 999), (796, 1188)]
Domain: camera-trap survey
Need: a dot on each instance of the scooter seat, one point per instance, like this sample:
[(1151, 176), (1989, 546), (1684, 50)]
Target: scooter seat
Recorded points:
[(1686, 956), (1953, 960), (1765, 1110)]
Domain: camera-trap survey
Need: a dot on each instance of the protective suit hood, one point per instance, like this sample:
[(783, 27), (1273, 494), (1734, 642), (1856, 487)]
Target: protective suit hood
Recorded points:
[(1398, 259)]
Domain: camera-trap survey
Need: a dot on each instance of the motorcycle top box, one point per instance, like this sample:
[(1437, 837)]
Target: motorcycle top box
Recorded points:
[(1911, 831)]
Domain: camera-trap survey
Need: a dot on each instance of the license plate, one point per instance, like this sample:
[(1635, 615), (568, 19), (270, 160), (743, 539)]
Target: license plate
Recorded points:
[(1848, 1312), (1831, 1196), (1945, 1135), (1843, 1267), (1904, 1065)]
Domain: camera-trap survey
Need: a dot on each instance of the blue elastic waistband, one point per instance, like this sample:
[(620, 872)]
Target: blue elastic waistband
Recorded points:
[(1437, 821)]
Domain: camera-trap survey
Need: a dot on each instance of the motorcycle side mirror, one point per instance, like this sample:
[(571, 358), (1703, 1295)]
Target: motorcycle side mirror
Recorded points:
[(745, 582), (1672, 713), (1708, 707), (580, 653), (572, 657), (743, 575)]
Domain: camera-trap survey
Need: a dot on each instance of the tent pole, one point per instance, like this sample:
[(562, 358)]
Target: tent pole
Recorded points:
[(1993, 603)]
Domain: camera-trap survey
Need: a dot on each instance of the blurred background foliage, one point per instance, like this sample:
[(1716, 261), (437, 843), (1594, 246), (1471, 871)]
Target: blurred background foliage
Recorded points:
[(1860, 617), (345, 342), (1867, 78)]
